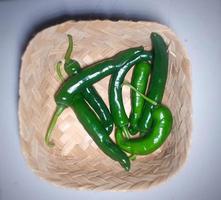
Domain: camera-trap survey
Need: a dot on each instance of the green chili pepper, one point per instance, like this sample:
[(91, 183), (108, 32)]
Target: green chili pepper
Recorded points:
[(139, 81), (96, 102), (115, 91), (161, 126), (72, 67), (92, 74), (157, 81), (95, 129)]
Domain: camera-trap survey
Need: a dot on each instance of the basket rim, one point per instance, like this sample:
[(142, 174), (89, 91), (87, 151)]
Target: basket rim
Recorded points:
[(104, 21)]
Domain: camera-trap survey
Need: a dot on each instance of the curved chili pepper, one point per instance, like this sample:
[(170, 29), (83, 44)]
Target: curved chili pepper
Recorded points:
[(95, 129), (115, 91), (157, 81), (92, 74), (72, 67), (139, 81), (162, 121)]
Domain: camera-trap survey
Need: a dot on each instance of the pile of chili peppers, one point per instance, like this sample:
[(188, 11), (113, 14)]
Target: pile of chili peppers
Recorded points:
[(149, 123)]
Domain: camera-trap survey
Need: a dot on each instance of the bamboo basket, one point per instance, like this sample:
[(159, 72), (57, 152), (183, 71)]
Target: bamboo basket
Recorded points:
[(76, 161)]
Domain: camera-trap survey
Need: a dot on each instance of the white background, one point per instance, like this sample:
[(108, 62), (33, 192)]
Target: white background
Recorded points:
[(197, 24)]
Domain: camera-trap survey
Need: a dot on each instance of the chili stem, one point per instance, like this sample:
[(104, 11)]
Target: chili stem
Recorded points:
[(58, 71), (126, 132), (69, 49), (135, 90), (58, 111), (132, 157)]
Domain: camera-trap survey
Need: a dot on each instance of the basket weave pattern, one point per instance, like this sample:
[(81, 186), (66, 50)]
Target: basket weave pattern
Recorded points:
[(76, 161)]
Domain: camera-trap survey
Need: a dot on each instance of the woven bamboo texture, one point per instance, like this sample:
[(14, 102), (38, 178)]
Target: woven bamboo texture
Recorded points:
[(76, 161)]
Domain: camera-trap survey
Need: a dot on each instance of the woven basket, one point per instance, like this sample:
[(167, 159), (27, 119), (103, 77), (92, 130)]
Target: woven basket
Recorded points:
[(76, 161)]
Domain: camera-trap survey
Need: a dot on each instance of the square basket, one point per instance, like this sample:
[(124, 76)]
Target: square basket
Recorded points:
[(76, 161)]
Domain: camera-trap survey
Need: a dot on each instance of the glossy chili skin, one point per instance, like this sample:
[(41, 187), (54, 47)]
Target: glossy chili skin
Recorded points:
[(91, 123), (160, 130), (115, 89), (92, 74), (95, 129), (139, 81), (72, 67), (157, 81)]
